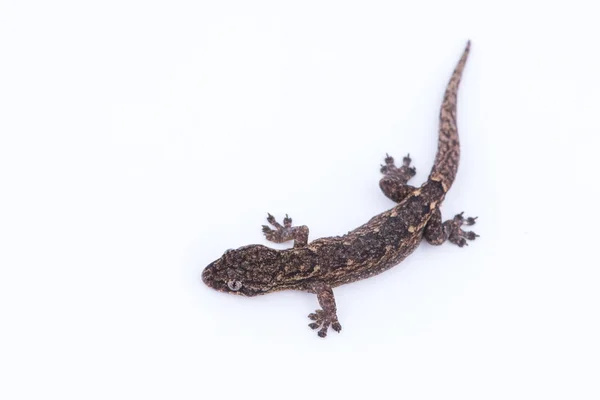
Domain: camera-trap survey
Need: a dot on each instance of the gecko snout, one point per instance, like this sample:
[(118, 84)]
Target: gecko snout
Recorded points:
[(207, 275)]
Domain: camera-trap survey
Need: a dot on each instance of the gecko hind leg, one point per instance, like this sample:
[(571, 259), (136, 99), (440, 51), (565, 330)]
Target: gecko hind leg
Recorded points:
[(437, 232), (299, 234), (394, 183), (327, 315)]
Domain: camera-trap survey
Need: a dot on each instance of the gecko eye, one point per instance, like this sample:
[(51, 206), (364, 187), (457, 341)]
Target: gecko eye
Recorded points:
[(234, 285)]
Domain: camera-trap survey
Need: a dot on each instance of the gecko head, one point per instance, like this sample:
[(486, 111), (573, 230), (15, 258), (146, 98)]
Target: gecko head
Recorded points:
[(247, 271)]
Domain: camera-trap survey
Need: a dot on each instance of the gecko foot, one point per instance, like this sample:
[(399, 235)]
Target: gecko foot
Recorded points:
[(285, 232), (456, 234), (323, 321), (394, 183), (405, 172)]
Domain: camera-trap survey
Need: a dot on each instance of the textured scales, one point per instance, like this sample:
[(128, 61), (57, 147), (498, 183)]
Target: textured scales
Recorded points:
[(387, 239)]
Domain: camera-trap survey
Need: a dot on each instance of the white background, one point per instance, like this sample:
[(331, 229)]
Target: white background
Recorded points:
[(141, 139)]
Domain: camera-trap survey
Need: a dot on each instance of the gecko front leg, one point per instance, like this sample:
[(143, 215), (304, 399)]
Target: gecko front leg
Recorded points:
[(327, 315), (394, 184), (299, 234)]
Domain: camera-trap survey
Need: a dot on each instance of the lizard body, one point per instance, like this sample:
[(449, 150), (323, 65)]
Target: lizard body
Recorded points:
[(379, 244)]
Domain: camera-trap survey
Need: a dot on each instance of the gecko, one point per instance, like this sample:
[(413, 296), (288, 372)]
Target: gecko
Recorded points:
[(383, 242)]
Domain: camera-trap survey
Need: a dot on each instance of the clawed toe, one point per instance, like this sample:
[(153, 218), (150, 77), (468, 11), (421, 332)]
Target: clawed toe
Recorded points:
[(459, 241), (287, 221), (470, 235), (268, 232), (336, 327), (316, 316), (389, 160)]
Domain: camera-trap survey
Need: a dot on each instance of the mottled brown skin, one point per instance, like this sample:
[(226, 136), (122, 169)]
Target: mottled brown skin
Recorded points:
[(370, 249)]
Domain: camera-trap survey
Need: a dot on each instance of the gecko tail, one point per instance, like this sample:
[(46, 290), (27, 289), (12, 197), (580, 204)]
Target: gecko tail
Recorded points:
[(448, 152)]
